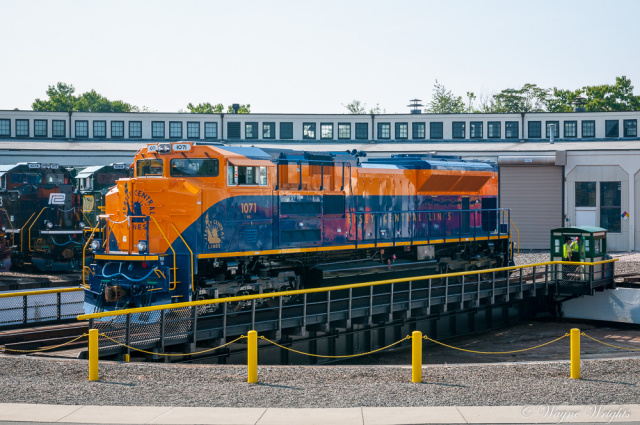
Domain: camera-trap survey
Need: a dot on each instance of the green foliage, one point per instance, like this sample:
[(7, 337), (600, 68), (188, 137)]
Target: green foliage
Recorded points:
[(563, 100), (243, 109), (445, 102), (61, 99), (617, 97), (529, 98), (357, 107), (205, 108), (208, 108)]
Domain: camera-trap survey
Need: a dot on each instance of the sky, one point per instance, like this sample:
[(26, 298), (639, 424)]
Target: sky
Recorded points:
[(309, 56)]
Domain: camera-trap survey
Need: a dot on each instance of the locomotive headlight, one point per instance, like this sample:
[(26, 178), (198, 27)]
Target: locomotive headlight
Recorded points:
[(4, 229), (81, 225), (49, 225), (142, 247), (95, 244)]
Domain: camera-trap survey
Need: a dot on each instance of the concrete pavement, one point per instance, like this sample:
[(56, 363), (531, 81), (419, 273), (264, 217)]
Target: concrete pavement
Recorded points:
[(23, 414)]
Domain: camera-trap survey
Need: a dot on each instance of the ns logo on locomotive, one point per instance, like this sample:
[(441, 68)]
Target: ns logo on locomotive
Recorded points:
[(210, 221)]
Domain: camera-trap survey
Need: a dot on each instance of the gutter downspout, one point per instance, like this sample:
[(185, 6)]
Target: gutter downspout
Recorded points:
[(222, 126), (522, 131), (373, 135)]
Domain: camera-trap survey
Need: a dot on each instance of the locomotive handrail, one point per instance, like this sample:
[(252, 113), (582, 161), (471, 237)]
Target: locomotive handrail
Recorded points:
[(22, 232), (514, 226), (11, 225), (175, 269), (34, 222), (84, 250), (185, 244), (325, 289)]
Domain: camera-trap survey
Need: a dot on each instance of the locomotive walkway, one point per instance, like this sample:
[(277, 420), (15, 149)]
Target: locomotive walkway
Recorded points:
[(66, 414)]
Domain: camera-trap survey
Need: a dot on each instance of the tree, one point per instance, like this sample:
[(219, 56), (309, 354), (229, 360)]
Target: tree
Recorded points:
[(563, 100), (357, 107), (205, 108), (618, 97), (208, 108), (445, 102), (529, 98), (243, 109), (61, 99)]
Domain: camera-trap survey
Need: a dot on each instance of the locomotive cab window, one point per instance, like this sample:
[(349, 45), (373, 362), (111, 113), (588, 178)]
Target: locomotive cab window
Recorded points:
[(107, 179), (26, 178), (194, 167), (149, 167), (86, 183), (55, 178), (243, 175)]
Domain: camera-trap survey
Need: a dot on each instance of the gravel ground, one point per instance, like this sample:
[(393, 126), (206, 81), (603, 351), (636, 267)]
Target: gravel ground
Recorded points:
[(31, 380)]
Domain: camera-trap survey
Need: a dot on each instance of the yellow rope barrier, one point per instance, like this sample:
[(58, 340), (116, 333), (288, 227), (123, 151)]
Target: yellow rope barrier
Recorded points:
[(44, 349), (169, 355), (495, 352), (335, 357), (610, 345)]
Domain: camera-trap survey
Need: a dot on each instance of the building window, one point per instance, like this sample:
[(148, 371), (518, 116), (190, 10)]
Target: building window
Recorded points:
[(309, 130), (436, 130), (5, 128), (193, 130), (157, 129), (269, 130), (570, 129), (286, 130), (99, 129), (630, 128), (588, 129), (457, 130), (40, 128), (418, 130), (362, 130), (251, 130), (556, 129), (611, 128), (135, 129), (511, 130), (58, 128), (475, 129), (586, 194), (326, 131), (402, 130), (117, 129), (535, 130), (494, 130), (610, 206), (344, 131), (22, 128), (211, 130), (384, 130), (82, 128), (175, 130), (233, 130)]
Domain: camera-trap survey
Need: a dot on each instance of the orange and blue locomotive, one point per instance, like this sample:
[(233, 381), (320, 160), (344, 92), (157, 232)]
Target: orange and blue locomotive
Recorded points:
[(207, 221)]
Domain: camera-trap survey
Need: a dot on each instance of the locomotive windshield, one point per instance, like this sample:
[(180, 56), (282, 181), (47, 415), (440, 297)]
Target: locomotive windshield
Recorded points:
[(26, 178), (149, 167), (107, 179), (54, 178), (241, 175), (194, 167)]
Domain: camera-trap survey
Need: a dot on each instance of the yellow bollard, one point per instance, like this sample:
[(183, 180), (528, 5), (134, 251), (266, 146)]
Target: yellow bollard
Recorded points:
[(416, 357), (575, 353), (93, 355), (127, 358), (252, 357)]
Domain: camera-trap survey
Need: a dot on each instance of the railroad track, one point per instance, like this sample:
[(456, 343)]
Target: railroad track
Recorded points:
[(25, 341), (10, 281)]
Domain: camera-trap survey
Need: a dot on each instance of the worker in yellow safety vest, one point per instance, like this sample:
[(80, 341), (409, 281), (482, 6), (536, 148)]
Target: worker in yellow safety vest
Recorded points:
[(569, 246)]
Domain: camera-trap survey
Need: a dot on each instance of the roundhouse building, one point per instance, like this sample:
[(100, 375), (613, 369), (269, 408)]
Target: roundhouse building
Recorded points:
[(556, 169)]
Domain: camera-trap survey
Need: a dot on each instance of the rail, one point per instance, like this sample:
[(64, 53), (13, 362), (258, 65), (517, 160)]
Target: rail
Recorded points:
[(47, 306), (3, 210), (517, 232)]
